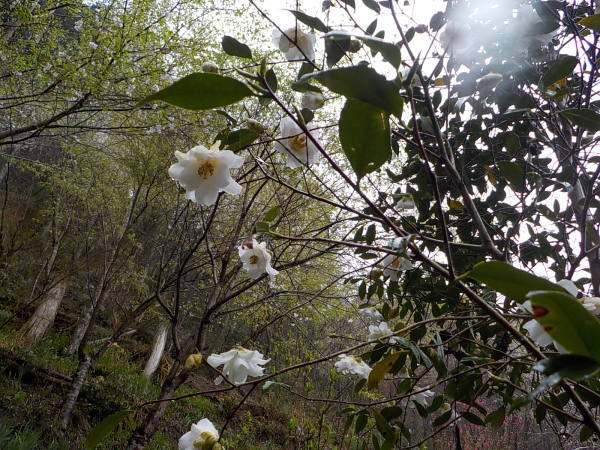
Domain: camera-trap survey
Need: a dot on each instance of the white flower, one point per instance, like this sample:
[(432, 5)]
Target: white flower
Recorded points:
[(203, 435), (370, 313), (535, 330), (203, 173), (294, 143), (350, 365), (489, 82), (312, 100), (93, 45), (592, 304), (393, 265), (568, 286), (295, 43), (256, 259), (422, 398), (238, 363), (456, 37), (381, 331), (210, 67), (77, 26), (526, 21)]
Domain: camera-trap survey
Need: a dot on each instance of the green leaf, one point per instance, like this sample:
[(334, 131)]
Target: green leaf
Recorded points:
[(592, 22), (233, 47), (272, 214), (496, 418), (508, 280), (381, 368), (559, 69), (104, 428), (365, 136), (576, 367), (567, 322), (263, 227), (390, 52), (202, 91), (441, 420), (471, 417), (335, 49), (512, 143), (238, 139), (311, 21), (514, 173), (372, 4), (361, 83), (586, 118)]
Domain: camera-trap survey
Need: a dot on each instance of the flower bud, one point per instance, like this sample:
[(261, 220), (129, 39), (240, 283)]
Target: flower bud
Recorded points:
[(210, 67), (193, 361), (312, 100), (255, 126)]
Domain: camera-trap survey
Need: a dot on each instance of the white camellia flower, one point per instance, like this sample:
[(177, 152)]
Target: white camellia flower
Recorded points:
[(592, 304), (203, 173), (393, 265), (210, 67), (456, 37), (381, 331), (312, 100), (256, 259), (489, 82), (203, 435), (295, 43), (524, 26), (422, 398), (351, 365), (537, 332), (238, 363), (370, 314), (568, 286), (294, 143)]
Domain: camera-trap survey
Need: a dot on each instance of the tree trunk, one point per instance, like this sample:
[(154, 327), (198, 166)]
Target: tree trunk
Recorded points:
[(83, 324), (43, 317), (151, 421), (71, 397), (158, 347)]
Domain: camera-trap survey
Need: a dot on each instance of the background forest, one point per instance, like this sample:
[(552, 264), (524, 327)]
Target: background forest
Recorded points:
[(310, 224)]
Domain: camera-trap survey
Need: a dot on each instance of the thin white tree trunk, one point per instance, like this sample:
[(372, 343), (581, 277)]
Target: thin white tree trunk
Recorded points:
[(158, 347), (43, 317)]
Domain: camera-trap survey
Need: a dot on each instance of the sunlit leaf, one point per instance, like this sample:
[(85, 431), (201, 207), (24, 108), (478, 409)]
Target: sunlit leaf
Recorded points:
[(381, 368), (365, 136), (592, 22), (104, 428), (561, 68)]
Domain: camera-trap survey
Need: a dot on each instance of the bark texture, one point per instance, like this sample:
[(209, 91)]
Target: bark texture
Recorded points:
[(158, 347), (43, 317)]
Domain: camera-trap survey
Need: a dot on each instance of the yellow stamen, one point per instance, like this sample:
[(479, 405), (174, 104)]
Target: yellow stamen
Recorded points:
[(254, 259), (207, 168), (298, 143)]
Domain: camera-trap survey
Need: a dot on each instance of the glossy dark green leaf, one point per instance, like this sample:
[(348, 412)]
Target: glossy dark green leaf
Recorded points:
[(389, 51), (200, 91), (313, 22), (104, 428), (233, 47), (271, 79), (238, 139), (559, 69), (437, 21), (495, 418), (592, 22), (586, 118), (365, 136), (361, 83), (372, 4), (471, 417), (576, 367), (514, 173), (567, 322), (508, 280)]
